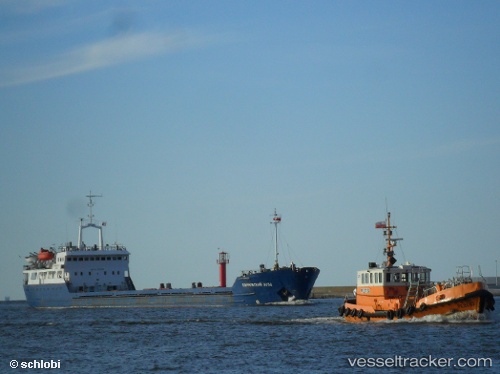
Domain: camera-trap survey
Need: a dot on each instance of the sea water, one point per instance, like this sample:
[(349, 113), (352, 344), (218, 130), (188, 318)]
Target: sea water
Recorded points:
[(259, 339)]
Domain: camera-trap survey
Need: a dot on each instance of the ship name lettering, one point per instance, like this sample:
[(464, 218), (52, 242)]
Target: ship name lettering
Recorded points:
[(259, 284)]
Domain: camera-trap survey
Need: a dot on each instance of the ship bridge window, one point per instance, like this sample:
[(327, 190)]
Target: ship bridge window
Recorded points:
[(388, 277), (33, 275)]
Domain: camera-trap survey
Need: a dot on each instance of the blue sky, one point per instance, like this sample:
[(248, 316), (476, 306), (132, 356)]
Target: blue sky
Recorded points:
[(195, 120)]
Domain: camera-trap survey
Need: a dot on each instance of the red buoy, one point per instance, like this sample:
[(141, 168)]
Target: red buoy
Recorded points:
[(222, 261)]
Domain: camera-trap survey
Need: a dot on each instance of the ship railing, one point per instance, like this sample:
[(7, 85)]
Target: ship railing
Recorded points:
[(429, 291), (244, 273), (39, 265), (107, 247), (464, 274)]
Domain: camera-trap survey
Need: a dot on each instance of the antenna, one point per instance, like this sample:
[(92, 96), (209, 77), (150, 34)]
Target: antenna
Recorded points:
[(90, 204)]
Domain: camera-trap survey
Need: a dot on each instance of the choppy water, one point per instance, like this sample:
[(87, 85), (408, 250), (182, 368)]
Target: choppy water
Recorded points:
[(261, 339)]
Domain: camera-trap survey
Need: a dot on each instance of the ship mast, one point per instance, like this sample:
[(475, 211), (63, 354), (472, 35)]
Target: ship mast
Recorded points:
[(391, 242), (90, 204), (276, 220)]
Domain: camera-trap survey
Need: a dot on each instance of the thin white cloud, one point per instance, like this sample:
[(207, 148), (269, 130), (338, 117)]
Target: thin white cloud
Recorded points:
[(457, 147), (112, 51), (31, 6), (467, 145)]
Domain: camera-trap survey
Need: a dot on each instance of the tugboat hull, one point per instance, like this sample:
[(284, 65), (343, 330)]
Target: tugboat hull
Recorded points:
[(478, 301)]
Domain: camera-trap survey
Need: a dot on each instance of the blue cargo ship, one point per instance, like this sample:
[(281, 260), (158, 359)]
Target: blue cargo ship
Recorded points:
[(79, 275)]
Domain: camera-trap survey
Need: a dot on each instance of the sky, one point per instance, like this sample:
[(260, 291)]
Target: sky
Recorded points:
[(196, 120)]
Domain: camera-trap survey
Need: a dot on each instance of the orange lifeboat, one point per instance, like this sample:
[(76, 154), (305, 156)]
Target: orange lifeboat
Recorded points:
[(45, 255)]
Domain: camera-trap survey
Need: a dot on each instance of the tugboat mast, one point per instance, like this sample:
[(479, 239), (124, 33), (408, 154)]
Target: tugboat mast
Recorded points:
[(276, 220), (391, 242)]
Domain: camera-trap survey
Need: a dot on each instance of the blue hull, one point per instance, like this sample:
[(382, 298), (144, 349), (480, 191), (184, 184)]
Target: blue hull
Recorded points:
[(274, 286), (58, 296), (269, 286)]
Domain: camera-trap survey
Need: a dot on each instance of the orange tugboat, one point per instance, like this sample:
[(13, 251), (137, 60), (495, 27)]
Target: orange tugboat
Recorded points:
[(386, 291)]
